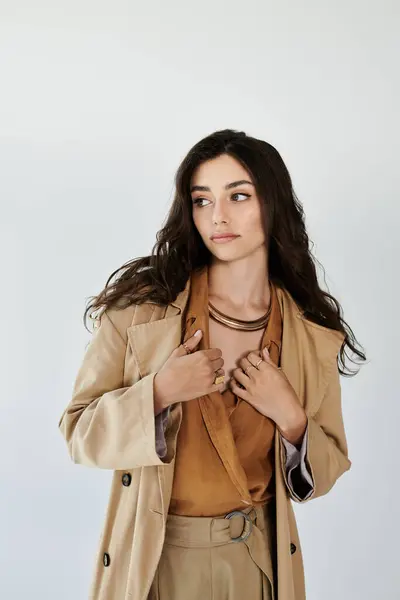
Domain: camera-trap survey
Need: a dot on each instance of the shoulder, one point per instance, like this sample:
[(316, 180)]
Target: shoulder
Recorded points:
[(323, 341), (121, 315)]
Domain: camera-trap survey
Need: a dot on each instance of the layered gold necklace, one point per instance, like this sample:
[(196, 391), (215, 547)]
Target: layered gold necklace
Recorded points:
[(233, 323)]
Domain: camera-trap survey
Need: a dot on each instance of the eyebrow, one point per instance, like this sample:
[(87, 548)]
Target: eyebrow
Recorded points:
[(204, 188)]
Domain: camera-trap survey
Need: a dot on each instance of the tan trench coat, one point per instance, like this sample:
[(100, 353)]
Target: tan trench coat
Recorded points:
[(109, 424)]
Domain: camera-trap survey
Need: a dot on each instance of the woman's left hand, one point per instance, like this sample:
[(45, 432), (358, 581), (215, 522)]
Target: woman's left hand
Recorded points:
[(267, 388)]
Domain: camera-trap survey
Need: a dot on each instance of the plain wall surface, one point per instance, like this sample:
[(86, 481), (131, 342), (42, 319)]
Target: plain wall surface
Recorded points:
[(99, 103)]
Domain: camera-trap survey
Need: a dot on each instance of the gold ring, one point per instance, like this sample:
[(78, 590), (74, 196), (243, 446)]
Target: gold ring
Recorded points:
[(219, 379)]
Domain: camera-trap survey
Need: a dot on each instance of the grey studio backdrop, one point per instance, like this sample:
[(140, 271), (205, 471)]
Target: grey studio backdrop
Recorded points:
[(99, 103)]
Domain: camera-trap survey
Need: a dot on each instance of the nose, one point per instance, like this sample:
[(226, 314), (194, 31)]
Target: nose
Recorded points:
[(220, 213)]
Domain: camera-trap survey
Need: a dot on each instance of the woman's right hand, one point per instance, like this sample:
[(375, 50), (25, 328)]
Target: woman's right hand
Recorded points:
[(185, 376)]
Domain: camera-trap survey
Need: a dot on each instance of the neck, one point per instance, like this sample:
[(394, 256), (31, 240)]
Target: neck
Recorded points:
[(237, 285)]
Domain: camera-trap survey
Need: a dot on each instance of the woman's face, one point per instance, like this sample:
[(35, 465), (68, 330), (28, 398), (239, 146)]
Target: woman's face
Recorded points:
[(219, 210)]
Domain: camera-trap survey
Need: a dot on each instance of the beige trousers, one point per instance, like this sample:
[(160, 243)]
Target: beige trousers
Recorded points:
[(200, 560)]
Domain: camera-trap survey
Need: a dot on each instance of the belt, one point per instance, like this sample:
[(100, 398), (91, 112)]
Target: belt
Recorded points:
[(235, 527), (248, 523)]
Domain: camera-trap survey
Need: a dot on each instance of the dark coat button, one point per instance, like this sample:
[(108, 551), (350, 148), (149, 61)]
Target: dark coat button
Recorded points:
[(126, 479), (292, 548), (106, 559)]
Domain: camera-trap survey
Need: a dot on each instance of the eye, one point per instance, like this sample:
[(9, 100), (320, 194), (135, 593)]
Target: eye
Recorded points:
[(241, 194), (199, 199)]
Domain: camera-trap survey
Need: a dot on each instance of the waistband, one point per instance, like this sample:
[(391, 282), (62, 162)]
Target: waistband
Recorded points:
[(204, 532)]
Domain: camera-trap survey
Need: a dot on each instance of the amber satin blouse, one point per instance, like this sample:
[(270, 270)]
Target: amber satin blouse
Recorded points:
[(224, 457)]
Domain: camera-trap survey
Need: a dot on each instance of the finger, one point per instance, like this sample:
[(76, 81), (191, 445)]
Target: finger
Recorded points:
[(191, 343), (240, 376), (241, 392), (217, 363), (254, 357), (245, 363), (217, 386), (267, 359), (266, 356), (218, 373), (213, 353)]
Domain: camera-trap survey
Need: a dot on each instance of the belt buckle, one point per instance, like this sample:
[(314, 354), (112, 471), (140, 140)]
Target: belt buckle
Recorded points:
[(247, 518)]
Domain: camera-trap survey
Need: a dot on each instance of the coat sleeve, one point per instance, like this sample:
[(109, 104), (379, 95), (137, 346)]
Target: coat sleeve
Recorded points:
[(106, 424), (326, 452)]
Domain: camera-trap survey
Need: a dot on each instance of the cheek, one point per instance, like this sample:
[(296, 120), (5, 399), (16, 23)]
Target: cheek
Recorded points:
[(252, 224), (199, 224)]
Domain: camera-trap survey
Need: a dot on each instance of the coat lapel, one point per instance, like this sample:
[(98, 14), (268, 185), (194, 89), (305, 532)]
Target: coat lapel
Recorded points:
[(156, 331)]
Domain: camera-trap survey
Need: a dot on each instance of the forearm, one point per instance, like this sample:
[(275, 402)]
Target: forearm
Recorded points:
[(293, 424)]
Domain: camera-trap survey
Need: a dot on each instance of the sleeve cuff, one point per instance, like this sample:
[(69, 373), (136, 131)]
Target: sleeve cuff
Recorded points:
[(161, 422), (299, 478)]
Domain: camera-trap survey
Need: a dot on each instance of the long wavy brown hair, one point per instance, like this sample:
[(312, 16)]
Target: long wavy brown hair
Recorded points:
[(179, 248)]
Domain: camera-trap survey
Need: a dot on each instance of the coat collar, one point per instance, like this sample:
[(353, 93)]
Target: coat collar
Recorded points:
[(178, 305), (329, 340)]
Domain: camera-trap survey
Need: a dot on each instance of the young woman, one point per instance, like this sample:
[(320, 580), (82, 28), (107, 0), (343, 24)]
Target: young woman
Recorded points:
[(211, 388)]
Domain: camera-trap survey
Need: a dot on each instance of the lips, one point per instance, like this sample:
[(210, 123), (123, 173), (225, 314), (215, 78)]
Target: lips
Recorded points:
[(223, 235)]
